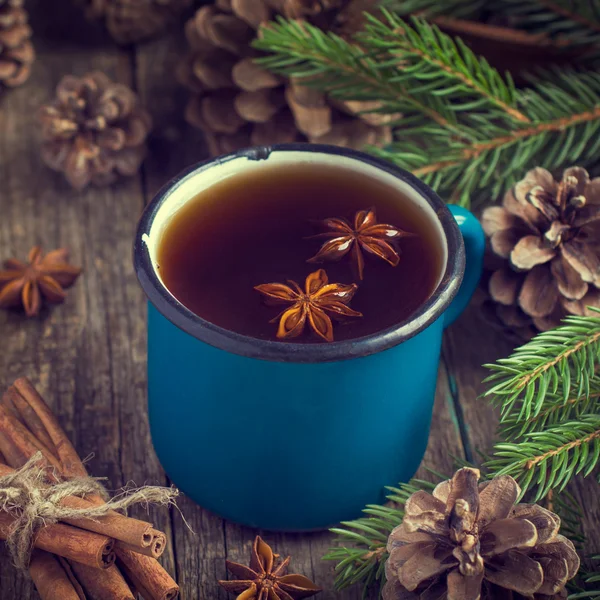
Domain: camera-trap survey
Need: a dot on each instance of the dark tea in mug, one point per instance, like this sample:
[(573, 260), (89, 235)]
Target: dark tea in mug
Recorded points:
[(264, 226)]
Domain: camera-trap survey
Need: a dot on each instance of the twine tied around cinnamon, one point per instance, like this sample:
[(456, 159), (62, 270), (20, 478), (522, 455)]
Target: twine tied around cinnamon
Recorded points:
[(27, 496)]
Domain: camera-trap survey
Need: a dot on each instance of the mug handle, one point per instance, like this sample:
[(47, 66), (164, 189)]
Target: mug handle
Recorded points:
[(474, 238)]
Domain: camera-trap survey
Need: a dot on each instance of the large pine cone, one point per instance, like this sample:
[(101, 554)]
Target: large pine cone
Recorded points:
[(16, 50), (236, 103), (468, 541), (94, 130), (130, 21), (547, 234)]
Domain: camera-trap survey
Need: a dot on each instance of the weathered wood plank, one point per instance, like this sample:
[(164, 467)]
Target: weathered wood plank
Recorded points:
[(470, 343), (87, 356), (174, 145)]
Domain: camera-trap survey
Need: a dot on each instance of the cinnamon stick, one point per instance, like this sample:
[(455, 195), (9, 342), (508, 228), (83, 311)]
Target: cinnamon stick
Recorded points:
[(51, 580), (155, 549), (139, 536), (144, 572), (107, 584), (133, 532), (5, 469), (28, 417), (159, 543), (66, 565), (69, 459), (18, 444), (148, 576), (69, 542)]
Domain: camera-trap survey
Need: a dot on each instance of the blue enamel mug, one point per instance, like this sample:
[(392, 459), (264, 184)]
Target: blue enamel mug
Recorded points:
[(287, 436)]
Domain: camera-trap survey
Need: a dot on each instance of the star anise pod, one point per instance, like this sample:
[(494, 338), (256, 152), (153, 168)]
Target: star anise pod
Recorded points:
[(368, 235), (266, 577), (41, 278), (318, 298)]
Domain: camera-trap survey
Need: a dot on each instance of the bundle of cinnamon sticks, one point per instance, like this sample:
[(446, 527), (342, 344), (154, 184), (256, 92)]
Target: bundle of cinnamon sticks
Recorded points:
[(110, 557)]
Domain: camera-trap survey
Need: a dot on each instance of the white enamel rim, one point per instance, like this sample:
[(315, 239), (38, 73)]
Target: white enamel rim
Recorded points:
[(204, 175)]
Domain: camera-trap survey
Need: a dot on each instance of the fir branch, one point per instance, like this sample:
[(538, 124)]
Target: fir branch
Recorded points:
[(460, 9), (445, 66), (566, 22), (362, 554), (466, 131), (548, 392), (587, 584), (498, 160), (307, 53), (545, 460), (565, 505), (555, 411), (560, 362), (575, 21)]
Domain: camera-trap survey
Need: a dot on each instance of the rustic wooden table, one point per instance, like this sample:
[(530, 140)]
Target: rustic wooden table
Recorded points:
[(88, 356)]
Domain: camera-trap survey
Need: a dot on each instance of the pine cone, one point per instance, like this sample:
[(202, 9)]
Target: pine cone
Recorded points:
[(16, 50), (468, 541), (94, 130), (237, 103), (547, 234), (130, 21)]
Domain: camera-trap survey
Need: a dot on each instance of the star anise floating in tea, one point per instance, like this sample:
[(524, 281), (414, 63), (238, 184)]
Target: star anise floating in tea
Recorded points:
[(266, 577), (377, 239), (41, 278), (314, 304)]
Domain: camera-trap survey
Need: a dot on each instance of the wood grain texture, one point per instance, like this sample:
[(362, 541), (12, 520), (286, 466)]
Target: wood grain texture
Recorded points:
[(88, 356)]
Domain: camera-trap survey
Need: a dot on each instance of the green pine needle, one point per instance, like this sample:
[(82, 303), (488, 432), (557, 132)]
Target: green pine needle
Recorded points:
[(545, 460), (462, 126), (561, 362), (568, 22), (459, 9), (548, 393), (587, 583), (361, 551), (575, 21)]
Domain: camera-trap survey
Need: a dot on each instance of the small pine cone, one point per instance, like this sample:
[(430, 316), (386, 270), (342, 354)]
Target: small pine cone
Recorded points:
[(468, 541), (130, 21), (546, 234), (94, 131), (16, 51), (237, 103)]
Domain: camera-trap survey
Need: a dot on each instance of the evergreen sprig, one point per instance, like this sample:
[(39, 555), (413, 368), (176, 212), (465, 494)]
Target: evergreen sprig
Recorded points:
[(568, 22), (575, 21), (548, 392), (444, 67), (554, 411), (361, 551), (587, 584), (465, 129), (459, 9), (545, 460), (561, 362)]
